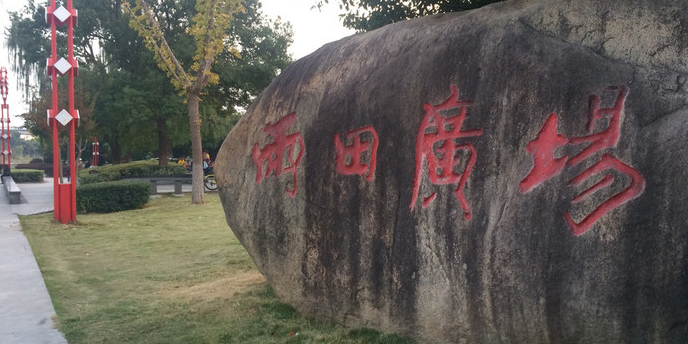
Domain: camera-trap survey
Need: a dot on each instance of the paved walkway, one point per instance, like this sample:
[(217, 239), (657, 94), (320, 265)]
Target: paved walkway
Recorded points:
[(26, 311)]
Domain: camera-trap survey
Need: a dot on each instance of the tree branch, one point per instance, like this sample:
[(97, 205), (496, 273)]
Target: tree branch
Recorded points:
[(206, 58), (163, 49)]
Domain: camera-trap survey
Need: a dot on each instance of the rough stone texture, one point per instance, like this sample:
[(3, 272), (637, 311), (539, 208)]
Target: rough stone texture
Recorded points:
[(345, 247)]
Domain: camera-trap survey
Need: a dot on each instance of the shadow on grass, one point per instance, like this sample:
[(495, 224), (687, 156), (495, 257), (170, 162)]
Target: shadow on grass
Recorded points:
[(274, 322)]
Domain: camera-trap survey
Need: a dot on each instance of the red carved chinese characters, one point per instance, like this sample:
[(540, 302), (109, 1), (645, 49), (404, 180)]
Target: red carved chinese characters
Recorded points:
[(542, 150), (633, 190), (349, 157), (606, 138), (273, 153), (436, 145), (546, 166)]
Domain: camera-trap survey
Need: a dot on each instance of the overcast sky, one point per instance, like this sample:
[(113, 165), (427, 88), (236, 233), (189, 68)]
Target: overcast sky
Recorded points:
[(312, 29)]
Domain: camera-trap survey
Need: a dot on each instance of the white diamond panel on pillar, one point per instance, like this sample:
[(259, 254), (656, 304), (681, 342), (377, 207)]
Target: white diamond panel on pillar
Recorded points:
[(63, 66), (63, 117), (5, 152), (61, 14)]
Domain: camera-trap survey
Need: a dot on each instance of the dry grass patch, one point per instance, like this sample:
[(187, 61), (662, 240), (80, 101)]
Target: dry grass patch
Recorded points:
[(221, 289)]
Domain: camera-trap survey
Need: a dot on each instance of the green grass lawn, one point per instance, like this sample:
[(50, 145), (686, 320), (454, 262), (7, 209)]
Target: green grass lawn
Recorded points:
[(168, 273)]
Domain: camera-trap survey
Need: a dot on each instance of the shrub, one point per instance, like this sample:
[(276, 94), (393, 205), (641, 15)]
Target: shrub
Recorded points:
[(110, 197), (99, 177), (27, 176), (146, 168)]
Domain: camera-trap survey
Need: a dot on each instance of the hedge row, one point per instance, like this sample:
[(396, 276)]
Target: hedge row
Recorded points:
[(27, 176), (147, 168), (110, 197)]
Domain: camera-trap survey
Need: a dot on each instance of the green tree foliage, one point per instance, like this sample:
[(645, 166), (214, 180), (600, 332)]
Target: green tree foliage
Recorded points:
[(136, 110), (209, 29), (366, 15), (85, 96), (23, 149), (28, 40)]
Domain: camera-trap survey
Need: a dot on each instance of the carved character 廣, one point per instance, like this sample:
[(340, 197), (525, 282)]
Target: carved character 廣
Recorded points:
[(436, 145)]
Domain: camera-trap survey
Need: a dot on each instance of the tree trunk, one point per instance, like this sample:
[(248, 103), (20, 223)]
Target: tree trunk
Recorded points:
[(196, 149), (80, 148), (115, 151), (164, 142)]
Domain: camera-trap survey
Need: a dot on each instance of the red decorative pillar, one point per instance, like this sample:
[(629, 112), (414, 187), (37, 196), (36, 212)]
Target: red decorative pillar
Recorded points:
[(96, 152), (5, 134), (65, 193)]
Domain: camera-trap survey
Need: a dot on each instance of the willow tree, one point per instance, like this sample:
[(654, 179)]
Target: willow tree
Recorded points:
[(209, 27)]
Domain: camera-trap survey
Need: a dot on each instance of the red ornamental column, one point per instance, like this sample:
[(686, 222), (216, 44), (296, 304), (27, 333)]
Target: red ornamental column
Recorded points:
[(96, 152), (64, 193), (5, 134)]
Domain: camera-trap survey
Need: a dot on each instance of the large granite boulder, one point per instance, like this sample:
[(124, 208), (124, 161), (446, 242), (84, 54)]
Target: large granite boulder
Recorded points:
[(513, 174)]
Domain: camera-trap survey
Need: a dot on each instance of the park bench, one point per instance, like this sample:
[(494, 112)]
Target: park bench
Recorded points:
[(11, 189), (155, 181)]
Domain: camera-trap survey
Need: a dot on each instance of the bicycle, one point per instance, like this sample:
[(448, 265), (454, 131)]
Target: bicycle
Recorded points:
[(209, 182)]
